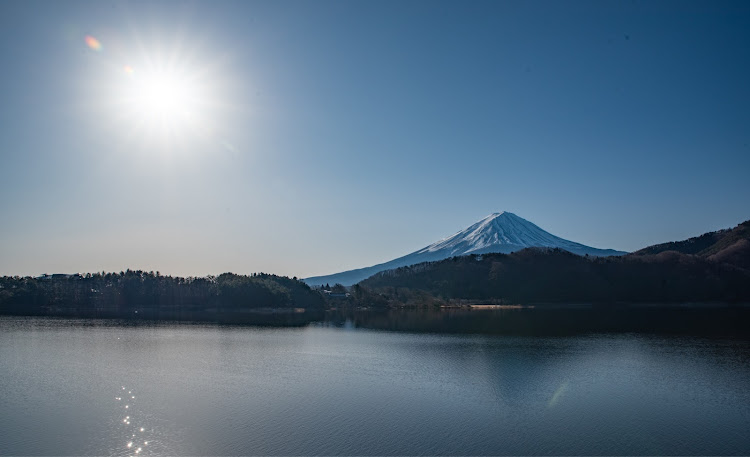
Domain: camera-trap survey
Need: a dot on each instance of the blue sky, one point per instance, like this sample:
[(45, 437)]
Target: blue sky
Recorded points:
[(307, 138)]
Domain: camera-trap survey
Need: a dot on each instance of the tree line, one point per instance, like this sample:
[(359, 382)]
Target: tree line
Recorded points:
[(136, 289)]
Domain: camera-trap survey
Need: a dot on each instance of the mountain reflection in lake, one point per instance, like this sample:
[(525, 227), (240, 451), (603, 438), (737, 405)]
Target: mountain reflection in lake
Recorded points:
[(228, 390), (561, 320)]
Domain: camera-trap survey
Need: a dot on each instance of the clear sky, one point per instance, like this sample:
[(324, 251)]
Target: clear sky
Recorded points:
[(311, 137)]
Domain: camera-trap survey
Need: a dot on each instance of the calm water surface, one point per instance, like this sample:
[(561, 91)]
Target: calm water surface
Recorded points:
[(67, 388)]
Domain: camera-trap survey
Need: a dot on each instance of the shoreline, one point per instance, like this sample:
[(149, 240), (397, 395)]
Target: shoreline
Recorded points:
[(714, 320)]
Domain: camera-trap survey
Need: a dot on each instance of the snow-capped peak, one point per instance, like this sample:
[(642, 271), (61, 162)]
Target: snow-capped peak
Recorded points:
[(497, 229), (499, 232)]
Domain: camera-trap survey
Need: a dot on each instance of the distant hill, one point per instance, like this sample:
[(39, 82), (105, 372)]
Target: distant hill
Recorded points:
[(499, 232), (710, 268), (724, 246), (706, 244)]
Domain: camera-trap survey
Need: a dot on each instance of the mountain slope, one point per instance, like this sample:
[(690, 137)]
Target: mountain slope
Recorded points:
[(723, 246), (497, 233), (538, 275), (711, 268)]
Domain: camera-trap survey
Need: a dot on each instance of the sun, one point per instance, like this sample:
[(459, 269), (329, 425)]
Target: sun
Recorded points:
[(162, 97), (162, 94), (165, 105), (163, 101), (169, 103)]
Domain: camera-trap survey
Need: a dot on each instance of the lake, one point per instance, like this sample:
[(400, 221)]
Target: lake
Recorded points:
[(108, 387)]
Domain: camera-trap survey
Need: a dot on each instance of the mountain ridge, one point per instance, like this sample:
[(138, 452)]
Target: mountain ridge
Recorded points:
[(502, 232), (710, 268), (706, 244)]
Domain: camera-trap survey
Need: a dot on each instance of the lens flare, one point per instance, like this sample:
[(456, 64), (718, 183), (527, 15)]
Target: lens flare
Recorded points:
[(93, 43), (558, 393)]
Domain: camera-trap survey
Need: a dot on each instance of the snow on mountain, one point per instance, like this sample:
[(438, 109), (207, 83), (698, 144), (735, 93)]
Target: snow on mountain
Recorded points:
[(499, 232)]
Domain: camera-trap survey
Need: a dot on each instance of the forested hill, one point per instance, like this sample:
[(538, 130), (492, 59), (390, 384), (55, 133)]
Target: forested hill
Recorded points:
[(555, 276), (148, 290), (707, 244)]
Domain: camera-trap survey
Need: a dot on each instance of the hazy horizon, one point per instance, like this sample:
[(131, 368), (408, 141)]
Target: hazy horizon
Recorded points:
[(308, 138)]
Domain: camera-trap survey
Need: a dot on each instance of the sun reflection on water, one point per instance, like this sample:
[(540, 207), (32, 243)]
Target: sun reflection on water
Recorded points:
[(134, 425)]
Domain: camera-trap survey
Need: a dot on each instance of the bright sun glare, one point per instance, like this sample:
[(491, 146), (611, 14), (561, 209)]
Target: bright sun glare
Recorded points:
[(168, 96), (164, 103), (161, 97)]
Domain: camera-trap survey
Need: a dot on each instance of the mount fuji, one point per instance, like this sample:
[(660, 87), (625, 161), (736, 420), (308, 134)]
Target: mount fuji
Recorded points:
[(499, 232)]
